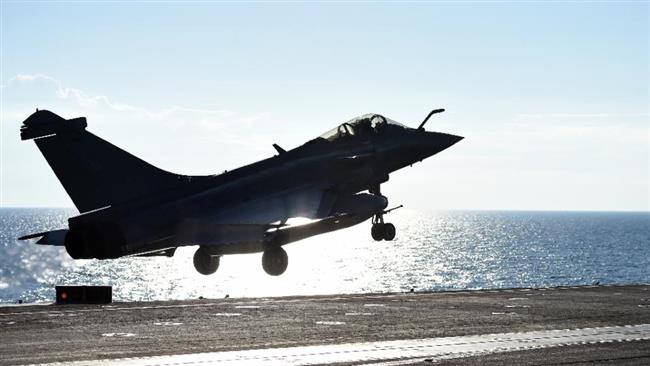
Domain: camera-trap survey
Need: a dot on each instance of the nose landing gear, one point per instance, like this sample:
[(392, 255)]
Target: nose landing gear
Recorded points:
[(381, 230)]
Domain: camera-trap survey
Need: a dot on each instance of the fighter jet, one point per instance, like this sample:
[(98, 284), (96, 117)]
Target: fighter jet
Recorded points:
[(129, 207)]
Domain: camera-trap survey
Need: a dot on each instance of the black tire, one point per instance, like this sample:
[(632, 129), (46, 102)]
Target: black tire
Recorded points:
[(377, 232), (389, 232), (275, 261), (204, 263)]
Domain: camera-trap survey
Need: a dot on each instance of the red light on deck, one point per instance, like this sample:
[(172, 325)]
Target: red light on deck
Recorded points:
[(84, 294)]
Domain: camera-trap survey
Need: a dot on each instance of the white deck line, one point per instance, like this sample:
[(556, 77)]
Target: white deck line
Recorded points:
[(373, 352)]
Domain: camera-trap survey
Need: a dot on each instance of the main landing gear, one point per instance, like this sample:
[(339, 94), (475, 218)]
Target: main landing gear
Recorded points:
[(205, 263), (275, 261)]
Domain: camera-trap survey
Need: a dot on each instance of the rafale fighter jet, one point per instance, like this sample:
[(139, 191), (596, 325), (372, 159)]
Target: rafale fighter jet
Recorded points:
[(131, 208)]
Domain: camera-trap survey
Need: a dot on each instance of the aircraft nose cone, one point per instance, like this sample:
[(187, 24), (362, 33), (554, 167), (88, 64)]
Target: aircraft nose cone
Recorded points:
[(431, 143)]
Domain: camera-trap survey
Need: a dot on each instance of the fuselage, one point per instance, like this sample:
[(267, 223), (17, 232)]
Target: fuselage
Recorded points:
[(131, 207), (302, 182)]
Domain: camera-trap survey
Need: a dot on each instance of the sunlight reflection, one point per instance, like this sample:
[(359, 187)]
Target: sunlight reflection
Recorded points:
[(432, 251)]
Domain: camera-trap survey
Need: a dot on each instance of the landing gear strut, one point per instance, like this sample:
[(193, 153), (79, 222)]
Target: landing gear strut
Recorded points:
[(381, 230)]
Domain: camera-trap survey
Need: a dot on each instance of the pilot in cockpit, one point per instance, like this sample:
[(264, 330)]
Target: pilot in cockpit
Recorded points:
[(363, 127), (378, 123)]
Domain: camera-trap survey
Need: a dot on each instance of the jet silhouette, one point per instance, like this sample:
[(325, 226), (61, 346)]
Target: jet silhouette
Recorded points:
[(131, 208)]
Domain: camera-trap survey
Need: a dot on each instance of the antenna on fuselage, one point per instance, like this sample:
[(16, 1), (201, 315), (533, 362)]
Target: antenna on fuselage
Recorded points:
[(279, 149), (421, 126)]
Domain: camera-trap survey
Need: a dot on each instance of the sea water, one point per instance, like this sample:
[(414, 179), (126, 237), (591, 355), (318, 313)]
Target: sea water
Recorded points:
[(432, 251)]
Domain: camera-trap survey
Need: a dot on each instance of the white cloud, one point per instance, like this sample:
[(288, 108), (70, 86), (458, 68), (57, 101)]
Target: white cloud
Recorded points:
[(176, 138), (111, 116), (542, 160), (93, 101)]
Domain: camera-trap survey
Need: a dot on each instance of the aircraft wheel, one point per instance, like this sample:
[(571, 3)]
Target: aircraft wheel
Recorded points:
[(377, 232), (204, 263), (389, 232), (275, 261)]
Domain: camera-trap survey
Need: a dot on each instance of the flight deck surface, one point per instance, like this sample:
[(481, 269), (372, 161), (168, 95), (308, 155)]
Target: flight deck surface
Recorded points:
[(506, 326)]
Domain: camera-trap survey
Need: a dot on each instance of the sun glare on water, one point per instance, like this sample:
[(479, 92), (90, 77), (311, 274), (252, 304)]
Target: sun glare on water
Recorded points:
[(432, 251)]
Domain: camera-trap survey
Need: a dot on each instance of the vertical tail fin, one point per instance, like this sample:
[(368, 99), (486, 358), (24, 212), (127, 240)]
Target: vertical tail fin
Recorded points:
[(94, 173)]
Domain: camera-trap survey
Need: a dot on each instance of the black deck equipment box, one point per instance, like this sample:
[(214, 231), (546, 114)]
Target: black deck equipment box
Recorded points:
[(84, 294)]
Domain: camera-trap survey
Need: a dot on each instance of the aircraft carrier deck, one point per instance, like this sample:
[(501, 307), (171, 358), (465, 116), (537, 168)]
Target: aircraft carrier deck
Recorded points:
[(563, 325)]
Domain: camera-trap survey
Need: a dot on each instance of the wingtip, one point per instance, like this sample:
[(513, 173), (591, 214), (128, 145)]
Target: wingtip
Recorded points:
[(31, 236)]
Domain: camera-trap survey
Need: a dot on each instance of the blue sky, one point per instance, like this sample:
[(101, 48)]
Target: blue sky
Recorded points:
[(552, 98)]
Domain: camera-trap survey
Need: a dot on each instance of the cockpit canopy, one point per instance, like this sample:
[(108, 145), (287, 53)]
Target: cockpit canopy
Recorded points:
[(360, 126)]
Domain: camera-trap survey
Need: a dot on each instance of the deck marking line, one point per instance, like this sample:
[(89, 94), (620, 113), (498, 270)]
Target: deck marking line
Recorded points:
[(393, 351)]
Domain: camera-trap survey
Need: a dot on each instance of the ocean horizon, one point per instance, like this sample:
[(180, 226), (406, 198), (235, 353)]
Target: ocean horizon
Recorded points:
[(433, 250)]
